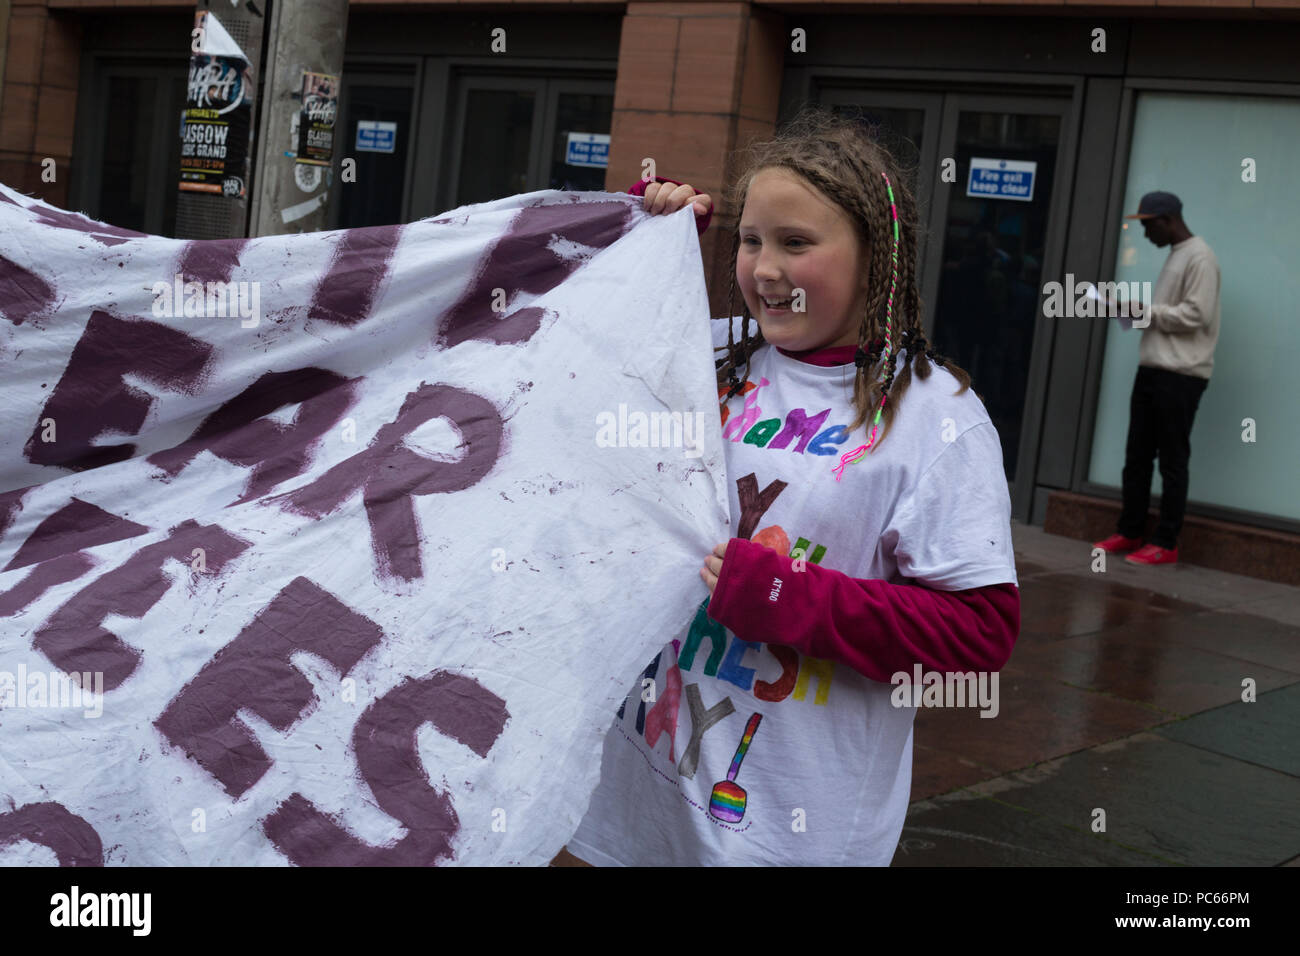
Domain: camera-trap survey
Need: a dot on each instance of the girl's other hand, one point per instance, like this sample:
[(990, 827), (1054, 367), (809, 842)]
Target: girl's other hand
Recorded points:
[(666, 198), (713, 566)]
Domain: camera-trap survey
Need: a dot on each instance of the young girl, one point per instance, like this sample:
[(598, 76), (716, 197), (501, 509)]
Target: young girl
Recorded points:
[(872, 533)]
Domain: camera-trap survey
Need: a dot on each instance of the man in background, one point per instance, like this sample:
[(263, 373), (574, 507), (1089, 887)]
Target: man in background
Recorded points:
[(1174, 362)]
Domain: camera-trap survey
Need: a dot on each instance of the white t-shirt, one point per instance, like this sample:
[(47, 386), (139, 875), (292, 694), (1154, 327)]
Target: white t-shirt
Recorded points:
[(825, 771)]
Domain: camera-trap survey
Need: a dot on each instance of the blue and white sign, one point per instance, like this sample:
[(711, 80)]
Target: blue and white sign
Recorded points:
[(374, 136), (588, 149), (1001, 179)]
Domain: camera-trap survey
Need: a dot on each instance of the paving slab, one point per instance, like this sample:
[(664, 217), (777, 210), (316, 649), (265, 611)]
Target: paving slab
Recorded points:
[(1206, 586), (1237, 633), (1058, 605), (1123, 692), (1039, 718), (1170, 800), (1032, 543), (1029, 569), (938, 770), (1265, 732), (1284, 609), (963, 829), (1149, 663)]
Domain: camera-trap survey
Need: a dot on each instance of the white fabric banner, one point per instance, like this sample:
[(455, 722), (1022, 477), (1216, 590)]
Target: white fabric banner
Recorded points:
[(341, 548)]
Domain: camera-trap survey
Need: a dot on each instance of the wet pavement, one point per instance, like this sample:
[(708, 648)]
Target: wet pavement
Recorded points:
[(1122, 737)]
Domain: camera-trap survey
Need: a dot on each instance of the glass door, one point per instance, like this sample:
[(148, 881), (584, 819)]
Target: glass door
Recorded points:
[(377, 110), (994, 240), (497, 133), (574, 106), (128, 135), (984, 170), (908, 126), (511, 135)]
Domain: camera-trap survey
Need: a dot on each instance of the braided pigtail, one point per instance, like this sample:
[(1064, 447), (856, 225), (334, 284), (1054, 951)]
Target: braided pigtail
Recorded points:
[(737, 353), (890, 356), (915, 343)]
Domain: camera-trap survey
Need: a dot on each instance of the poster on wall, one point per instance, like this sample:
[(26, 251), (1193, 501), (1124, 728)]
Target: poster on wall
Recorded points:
[(218, 113), (316, 125)]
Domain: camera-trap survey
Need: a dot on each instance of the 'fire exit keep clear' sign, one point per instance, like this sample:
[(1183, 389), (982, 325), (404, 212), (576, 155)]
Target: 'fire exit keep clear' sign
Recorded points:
[(1001, 179)]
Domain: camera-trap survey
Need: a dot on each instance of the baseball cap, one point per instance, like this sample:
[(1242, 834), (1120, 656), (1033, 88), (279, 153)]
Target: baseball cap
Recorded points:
[(1157, 204)]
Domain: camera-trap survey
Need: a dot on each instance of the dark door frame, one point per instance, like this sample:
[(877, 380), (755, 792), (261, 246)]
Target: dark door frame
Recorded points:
[(92, 125), (458, 77), (405, 71), (1054, 243), (931, 105)]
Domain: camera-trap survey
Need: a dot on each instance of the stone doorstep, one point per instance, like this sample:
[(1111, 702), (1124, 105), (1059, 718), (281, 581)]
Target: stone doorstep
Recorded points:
[(1224, 546)]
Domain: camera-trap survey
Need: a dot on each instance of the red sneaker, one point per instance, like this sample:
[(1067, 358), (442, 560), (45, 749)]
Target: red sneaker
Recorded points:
[(1150, 554), (1117, 542)]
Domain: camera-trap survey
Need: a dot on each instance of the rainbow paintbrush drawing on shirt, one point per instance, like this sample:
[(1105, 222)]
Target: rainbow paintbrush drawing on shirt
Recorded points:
[(727, 802)]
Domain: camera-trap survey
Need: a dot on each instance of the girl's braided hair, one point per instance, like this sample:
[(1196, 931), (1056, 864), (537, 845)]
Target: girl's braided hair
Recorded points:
[(839, 158)]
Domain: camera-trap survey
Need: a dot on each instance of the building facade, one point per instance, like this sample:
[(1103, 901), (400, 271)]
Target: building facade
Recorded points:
[(1097, 104)]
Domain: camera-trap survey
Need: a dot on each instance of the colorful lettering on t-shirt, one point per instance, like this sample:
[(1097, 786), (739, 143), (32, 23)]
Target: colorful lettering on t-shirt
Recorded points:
[(796, 670), (742, 677), (726, 663), (812, 667), (701, 721), (723, 389), (648, 674), (736, 429), (800, 551), (663, 715), (762, 432), (703, 626), (774, 537), (754, 503), (797, 425), (752, 429), (779, 689)]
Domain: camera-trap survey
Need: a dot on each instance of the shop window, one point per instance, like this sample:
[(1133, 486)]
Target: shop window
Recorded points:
[(1196, 146)]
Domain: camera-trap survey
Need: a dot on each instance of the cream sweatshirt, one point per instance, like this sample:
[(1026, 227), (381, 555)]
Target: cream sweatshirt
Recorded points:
[(1184, 312)]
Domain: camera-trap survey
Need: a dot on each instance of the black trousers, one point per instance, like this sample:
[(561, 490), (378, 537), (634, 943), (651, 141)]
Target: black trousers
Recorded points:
[(1160, 423)]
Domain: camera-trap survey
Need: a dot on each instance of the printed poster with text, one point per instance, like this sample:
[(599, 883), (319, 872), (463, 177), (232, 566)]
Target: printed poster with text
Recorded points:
[(218, 113), (316, 126)]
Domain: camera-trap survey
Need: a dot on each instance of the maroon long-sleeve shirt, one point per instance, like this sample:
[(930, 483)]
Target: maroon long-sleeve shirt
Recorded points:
[(875, 627)]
